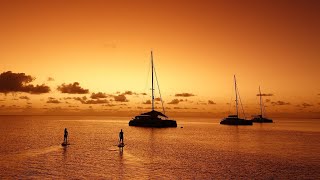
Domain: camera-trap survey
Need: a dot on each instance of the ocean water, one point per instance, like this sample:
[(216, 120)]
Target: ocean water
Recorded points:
[(203, 149)]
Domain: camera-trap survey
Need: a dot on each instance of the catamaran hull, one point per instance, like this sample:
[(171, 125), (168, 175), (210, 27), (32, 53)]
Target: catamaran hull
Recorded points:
[(235, 122), (153, 123), (261, 120)]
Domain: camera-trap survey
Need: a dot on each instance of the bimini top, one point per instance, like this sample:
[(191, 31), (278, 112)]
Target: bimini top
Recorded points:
[(154, 113)]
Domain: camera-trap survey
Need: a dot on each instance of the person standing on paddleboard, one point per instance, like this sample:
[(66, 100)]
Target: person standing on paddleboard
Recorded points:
[(121, 136), (65, 140)]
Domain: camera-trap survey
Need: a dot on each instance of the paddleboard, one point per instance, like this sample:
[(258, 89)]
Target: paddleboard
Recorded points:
[(121, 145), (64, 144)]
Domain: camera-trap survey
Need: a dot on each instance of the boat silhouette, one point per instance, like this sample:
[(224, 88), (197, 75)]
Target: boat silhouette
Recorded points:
[(235, 119), (259, 118), (153, 118)]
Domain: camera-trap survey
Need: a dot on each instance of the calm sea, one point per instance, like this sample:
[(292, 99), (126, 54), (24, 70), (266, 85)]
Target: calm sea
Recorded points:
[(203, 149)]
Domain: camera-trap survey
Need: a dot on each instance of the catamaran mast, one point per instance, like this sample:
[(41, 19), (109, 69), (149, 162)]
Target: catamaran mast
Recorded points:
[(260, 102), (152, 82), (236, 91)]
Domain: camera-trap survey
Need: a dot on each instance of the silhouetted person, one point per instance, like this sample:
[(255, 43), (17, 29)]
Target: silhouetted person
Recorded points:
[(121, 136), (65, 140)]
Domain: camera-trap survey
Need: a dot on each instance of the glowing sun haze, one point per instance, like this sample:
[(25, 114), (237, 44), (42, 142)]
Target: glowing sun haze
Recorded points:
[(104, 46)]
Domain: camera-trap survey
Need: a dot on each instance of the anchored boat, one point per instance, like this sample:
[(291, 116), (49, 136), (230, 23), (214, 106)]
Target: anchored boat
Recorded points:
[(153, 118), (235, 119), (259, 118)]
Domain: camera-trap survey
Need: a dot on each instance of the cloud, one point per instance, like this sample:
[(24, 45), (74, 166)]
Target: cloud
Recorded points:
[(143, 94), (306, 105), (120, 98), (81, 99), (24, 97), (265, 94), (19, 82), (211, 102), (174, 101), (268, 100), (53, 100), (72, 88), (184, 95), (98, 101), (180, 108), (129, 93), (50, 79), (147, 102), (109, 105), (85, 100), (157, 99), (98, 95), (280, 103)]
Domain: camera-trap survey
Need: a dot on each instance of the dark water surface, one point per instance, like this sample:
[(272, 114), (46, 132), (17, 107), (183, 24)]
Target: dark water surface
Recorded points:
[(203, 149)]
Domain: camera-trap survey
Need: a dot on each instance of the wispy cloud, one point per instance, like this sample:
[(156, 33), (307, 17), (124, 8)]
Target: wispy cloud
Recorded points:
[(211, 102), (147, 102), (265, 94), (280, 103), (19, 82), (81, 99), (53, 100), (184, 95), (72, 88), (129, 93), (85, 100), (50, 79), (120, 98), (24, 97), (306, 105), (174, 101), (98, 95), (97, 101)]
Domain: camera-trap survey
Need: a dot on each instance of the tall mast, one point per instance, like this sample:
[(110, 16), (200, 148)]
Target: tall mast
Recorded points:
[(260, 102), (152, 82), (236, 91)]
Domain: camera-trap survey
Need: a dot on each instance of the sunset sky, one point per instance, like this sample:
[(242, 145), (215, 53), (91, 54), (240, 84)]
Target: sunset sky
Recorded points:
[(74, 48)]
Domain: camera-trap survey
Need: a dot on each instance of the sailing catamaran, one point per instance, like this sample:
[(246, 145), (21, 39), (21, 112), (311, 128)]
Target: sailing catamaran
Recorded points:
[(153, 118), (234, 119), (260, 118)]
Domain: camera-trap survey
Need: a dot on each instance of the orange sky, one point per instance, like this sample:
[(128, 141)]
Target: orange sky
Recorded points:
[(198, 46)]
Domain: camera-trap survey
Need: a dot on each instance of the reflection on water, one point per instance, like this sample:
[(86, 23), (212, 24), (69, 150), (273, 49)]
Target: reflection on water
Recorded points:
[(203, 149)]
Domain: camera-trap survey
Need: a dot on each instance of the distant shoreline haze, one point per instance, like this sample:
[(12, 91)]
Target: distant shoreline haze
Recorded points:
[(131, 114)]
